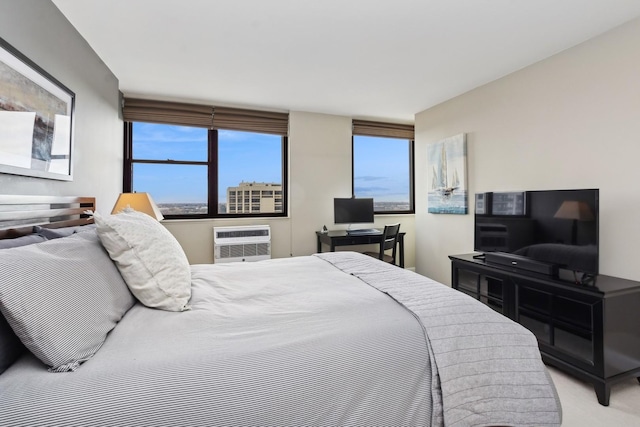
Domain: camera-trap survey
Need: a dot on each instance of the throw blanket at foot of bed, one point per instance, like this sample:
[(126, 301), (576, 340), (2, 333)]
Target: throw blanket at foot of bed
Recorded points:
[(488, 367)]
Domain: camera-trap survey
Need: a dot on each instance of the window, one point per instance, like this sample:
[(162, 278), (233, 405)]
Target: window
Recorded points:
[(383, 168), (172, 164), (249, 164), (195, 172)]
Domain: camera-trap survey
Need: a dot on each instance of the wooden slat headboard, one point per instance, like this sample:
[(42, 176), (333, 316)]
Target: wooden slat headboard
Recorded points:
[(18, 214)]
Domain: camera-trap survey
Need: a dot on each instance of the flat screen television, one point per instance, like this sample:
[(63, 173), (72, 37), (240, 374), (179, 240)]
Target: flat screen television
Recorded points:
[(559, 227), (353, 210)]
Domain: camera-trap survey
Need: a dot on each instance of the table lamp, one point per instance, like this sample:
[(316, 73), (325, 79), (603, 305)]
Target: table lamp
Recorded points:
[(141, 202)]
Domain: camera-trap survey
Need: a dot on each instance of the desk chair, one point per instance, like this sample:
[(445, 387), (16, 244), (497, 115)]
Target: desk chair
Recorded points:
[(389, 240)]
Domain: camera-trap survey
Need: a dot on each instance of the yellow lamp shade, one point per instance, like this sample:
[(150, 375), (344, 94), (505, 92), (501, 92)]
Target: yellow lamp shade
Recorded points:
[(141, 202)]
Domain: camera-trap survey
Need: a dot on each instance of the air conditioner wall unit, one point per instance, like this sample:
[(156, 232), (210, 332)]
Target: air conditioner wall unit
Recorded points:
[(241, 243)]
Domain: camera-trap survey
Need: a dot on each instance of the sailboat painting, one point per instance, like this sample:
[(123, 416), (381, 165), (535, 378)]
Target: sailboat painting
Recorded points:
[(447, 172)]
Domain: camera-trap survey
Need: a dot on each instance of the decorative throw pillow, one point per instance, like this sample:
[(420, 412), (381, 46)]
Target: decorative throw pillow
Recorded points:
[(150, 259), (62, 297)]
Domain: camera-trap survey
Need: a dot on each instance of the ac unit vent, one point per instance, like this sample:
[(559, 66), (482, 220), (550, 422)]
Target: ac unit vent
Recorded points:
[(243, 243), (235, 234)]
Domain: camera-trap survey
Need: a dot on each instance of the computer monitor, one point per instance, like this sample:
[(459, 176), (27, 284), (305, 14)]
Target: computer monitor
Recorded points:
[(353, 210)]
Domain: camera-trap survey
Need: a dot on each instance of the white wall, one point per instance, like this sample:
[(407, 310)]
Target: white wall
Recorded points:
[(41, 33), (320, 170), (571, 121)]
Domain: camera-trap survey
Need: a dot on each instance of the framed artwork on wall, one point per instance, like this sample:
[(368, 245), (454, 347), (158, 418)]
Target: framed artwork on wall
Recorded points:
[(447, 176), (36, 119)]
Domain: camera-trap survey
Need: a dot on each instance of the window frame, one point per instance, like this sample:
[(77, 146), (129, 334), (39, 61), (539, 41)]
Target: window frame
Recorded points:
[(411, 165), (212, 174)]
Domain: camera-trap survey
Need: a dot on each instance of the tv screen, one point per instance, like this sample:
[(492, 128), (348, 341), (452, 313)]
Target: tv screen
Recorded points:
[(353, 211), (555, 226)]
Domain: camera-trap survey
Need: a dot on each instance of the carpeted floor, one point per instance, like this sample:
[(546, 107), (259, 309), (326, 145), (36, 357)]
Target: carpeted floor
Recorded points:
[(580, 406)]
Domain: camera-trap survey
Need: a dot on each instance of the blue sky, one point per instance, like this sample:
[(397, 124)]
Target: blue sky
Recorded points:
[(381, 167), (242, 156)]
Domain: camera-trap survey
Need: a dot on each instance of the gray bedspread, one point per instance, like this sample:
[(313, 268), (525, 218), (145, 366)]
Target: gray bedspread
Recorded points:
[(488, 367), (284, 342)]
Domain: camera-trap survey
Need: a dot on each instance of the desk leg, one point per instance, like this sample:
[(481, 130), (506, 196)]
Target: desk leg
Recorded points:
[(401, 242)]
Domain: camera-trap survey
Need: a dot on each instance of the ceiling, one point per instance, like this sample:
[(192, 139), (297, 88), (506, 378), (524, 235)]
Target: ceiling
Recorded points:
[(368, 59)]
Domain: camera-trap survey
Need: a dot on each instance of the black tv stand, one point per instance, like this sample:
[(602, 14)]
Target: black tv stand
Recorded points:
[(588, 279), (589, 330)]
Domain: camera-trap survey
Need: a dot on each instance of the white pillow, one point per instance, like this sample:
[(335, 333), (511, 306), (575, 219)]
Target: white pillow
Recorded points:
[(149, 258)]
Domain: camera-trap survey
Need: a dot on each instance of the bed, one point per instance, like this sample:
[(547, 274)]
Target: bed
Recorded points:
[(328, 339)]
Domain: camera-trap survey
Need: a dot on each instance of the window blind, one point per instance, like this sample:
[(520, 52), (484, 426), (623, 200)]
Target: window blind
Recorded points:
[(142, 110), (251, 121), (176, 113), (389, 130)]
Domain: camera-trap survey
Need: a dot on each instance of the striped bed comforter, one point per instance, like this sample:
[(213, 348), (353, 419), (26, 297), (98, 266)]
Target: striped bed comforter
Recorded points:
[(291, 342), (487, 369)]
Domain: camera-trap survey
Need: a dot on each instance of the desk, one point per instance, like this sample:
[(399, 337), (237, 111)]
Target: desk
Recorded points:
[(334, 238)]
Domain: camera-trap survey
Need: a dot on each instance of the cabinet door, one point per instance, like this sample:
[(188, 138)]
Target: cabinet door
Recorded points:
[(467, 282), (492, 293), (534, 312), (573, 325), (488, 289), (563, 323)]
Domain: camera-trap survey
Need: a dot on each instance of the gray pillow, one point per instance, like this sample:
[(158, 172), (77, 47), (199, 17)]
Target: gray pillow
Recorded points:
[(62, 297), (56, 233), (29, 239), (10, 346)]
